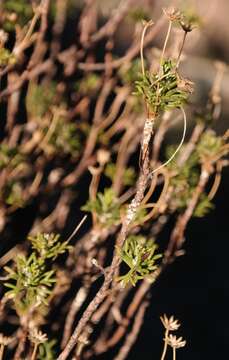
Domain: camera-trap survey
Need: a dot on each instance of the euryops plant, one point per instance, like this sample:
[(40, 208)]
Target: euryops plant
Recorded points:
[(81, 146)]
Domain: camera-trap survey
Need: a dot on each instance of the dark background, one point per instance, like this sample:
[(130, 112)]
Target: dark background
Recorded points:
[(195, 289)]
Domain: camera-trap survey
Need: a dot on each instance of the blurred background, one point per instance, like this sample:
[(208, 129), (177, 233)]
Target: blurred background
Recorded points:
[(195, 288)]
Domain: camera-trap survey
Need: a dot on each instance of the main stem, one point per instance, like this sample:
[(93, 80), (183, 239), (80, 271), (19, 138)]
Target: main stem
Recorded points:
[(131, 212), (130, 215)]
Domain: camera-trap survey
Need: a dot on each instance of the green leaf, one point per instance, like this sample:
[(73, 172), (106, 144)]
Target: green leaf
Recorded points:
[(139, 254), (106, 207)]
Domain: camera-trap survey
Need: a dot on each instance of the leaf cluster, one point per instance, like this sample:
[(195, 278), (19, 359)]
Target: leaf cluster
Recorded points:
[(39, 98), (209, 145), (23, 12), (48, 246), (88, 85), (6, 57), (139, 255), (32, 280), (12, 194), (65, 138), (129, 175), (106, 207), (10, 156), (129, 73), (138, 14), (184, 183), (165, 90), (46, 350), (187, 176)]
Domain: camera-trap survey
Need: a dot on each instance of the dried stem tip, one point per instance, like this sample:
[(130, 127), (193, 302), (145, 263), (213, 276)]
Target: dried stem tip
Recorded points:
[(175, 342), (170, 324)]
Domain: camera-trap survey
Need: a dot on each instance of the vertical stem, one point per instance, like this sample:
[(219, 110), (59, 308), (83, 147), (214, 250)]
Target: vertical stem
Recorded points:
[(164, 46), (160, 71), (165, 344), (34, 352), (142, 46), (174, 353), (1, 351), (22, 335), (181, 49)]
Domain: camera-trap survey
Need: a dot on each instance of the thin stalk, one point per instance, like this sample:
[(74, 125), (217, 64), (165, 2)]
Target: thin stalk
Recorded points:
[(32, 26), (165, 45), (162, 57), (174, 353), (150, 23), (216, 183), (181, 49), (21, 46), (165, 345), (34, 352), (179, 146), (76, 229)]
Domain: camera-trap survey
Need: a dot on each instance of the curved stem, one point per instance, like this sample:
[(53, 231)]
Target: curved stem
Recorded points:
[(179, 146), (151, 190), (155, 206), (216, 183), (150, 23)]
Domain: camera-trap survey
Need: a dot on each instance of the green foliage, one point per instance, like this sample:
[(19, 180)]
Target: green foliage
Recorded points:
[(209, 145), (48, 246), (129, 73), (46, 351), (89, 84), (185, 179), (129, 175), (65, 138), (23, 12), (139, 216), (138, 253), (203, 207), (39, 98), (13, 161), (12, 194), (187, 176), (163, 91), (31, 281), (138, 14), (10, 157), (6, 57), (106, 207)]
